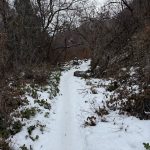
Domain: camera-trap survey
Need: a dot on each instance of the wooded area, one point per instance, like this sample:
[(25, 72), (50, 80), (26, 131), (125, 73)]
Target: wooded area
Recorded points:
[(41, 34)]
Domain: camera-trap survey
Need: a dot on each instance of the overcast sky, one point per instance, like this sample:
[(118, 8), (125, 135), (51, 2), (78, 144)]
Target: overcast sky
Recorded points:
[(101, 2)]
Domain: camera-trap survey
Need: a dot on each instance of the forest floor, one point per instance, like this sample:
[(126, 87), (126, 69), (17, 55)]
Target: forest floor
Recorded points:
[(72, 124)]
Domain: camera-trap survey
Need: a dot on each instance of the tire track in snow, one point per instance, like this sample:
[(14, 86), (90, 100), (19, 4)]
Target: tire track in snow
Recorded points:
[(66, 134)]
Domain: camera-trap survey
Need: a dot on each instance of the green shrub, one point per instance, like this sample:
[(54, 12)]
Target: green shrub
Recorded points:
[(54, 82), (25, 101), (32, 90), (29, 112), (34, 94), (42, 128), (16, 127), (30, 129), (34, 139), (24, 147), (46, 115), (146, 146), (4, 133), (43, 103)]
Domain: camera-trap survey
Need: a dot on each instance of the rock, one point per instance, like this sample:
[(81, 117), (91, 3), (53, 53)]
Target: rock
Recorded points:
[(80, 74), (93, 90)]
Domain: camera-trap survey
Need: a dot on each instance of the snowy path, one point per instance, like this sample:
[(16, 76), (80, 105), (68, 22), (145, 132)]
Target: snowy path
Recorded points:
[(64, 127), (66, 134)]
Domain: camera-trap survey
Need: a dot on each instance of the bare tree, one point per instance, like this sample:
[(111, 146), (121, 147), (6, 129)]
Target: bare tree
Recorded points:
[(4, 12), (52, 13), (57, 17)]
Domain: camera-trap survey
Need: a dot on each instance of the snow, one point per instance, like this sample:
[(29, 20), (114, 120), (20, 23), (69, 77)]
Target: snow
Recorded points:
[(65, 128), (119, 134)]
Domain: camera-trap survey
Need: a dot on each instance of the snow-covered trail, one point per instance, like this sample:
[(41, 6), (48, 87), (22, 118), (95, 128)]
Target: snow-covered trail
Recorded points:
[(66, 133), (64, 127)]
